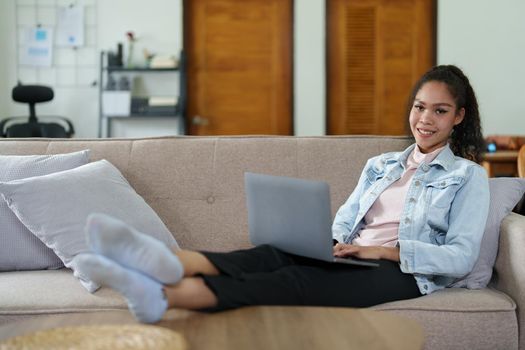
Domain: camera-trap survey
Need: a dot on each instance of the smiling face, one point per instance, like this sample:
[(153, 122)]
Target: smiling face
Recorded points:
[(433, 115)]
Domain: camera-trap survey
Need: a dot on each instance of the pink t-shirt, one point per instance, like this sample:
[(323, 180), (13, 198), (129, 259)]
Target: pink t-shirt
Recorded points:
[(382, 220)]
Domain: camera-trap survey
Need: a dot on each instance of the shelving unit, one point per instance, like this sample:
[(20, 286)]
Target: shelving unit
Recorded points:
[(104, 127)]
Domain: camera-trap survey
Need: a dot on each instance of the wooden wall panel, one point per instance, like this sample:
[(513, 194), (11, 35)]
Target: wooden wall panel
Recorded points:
[(359, 53), (377, 49), (239, 66)]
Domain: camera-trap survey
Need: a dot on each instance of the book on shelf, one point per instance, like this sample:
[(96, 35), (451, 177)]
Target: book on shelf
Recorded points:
[(161, 61), (162, 101), (141, 106)]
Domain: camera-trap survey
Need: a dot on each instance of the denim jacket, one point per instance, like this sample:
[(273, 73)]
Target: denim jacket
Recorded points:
[(443, 219)]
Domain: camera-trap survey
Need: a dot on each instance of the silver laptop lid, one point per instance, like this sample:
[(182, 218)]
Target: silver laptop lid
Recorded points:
[(290, 214)]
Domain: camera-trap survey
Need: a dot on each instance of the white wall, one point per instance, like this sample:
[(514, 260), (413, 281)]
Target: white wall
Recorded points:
[(486, 39), (309, 68), (3, 66), (158, 25)]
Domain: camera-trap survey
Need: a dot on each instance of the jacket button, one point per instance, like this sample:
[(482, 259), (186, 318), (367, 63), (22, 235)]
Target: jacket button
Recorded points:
[(412, 200), (417, 183), (443, 183), (425, 287), (407, 221), (425, 168)]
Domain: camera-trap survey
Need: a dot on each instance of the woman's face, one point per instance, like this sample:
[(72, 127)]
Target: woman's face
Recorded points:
[(433, 115)]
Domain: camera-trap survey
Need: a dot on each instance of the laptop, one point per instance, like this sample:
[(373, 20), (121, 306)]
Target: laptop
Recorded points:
[(294, 216)]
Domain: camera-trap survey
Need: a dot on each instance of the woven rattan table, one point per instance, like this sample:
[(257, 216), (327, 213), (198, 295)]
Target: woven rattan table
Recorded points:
[(259, 328)]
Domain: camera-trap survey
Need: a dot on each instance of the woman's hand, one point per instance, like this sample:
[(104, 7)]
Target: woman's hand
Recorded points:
[(366, 252)]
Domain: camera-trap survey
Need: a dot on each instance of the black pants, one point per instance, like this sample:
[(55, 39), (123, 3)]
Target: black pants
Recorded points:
[(267, 276)]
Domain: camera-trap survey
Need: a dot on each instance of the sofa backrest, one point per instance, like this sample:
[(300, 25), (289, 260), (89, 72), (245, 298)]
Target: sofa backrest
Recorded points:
[(196, 184)]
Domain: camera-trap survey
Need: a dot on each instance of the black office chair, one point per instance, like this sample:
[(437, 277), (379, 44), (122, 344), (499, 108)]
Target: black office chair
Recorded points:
[(33, 94)]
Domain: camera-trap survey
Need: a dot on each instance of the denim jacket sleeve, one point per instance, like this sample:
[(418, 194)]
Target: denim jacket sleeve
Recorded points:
[(345, 217), (467, 218)]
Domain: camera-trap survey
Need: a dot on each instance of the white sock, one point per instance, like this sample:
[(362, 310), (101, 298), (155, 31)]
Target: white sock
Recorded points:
[(130, 248), (144, 296)]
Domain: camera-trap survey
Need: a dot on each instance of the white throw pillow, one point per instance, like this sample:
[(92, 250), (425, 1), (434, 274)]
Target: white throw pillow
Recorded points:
[(20, 249), (55, 207)]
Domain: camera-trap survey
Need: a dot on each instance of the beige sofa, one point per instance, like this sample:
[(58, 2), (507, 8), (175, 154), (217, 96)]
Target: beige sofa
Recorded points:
[(196, 186)]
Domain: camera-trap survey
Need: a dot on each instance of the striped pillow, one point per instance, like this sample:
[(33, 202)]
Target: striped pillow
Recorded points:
[(20, 249)]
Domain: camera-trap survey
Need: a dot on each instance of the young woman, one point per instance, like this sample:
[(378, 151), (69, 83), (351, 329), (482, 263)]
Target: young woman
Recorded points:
[(421, 212)]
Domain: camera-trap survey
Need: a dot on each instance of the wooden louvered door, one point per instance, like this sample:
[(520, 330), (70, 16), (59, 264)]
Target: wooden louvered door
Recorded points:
[(239, 55), (377, 49)]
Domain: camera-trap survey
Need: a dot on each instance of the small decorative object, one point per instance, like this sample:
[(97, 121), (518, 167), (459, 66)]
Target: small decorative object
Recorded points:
[(112, 59), (119, 62), (163, 61), (111, 84), (148, 56), (124, 84), (131, 43)]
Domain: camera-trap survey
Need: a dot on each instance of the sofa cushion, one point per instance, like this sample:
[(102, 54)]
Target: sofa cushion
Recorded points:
[(52, 291), (20, 249), (456, 300), (505, 193), (55, 207), (458, 318)]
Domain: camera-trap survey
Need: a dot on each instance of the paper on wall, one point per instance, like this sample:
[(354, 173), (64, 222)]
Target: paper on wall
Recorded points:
[(70, 26), (37, 49)]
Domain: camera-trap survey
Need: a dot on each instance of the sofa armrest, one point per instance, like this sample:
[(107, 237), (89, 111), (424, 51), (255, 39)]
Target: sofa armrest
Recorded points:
[(509, 269)]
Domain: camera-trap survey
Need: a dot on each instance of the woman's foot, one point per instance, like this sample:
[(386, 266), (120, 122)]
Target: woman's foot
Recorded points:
[(145, 297), (130, 248)]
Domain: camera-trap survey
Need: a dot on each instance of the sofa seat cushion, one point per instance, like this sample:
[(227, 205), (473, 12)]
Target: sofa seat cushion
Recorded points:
[(456, 300), (51, 291), (37, 294), (458, 318)]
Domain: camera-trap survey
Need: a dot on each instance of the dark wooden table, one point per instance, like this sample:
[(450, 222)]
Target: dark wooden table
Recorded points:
[(501, 163)]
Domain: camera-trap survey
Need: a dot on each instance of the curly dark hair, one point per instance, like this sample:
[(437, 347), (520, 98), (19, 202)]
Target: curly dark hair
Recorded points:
[(467, 138)]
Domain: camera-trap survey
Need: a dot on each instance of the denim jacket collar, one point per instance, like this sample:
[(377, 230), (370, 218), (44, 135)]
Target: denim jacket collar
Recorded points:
[(445, 158)]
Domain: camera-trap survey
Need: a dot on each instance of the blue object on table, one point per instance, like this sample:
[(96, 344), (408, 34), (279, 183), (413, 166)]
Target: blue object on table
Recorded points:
[(491, 147)]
